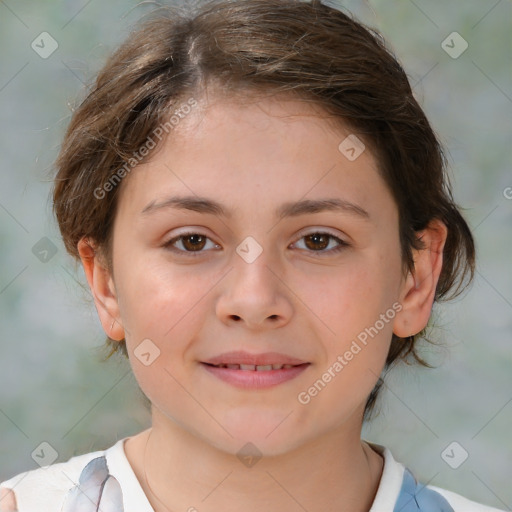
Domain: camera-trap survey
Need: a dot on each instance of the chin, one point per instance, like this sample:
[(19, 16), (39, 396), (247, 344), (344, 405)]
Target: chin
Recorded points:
[(264, 434), (247, 447)]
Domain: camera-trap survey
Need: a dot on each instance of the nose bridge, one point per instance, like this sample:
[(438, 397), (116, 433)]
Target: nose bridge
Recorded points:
[(253, 293), (252, 264)]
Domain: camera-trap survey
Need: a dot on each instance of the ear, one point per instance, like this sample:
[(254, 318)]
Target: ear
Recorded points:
[(102, 287), (418, 291)]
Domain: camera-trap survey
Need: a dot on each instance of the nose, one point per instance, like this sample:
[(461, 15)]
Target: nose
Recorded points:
[(255, 295)]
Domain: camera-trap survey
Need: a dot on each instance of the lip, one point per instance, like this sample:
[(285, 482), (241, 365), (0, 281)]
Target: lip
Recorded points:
[(266, 358), (255, 379)]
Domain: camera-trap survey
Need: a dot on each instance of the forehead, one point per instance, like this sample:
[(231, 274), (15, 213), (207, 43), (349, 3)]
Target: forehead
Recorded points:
[(276, 147)]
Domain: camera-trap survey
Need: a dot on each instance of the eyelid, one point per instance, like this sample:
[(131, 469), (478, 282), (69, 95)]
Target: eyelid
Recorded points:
[(317, 229), (199, 230)]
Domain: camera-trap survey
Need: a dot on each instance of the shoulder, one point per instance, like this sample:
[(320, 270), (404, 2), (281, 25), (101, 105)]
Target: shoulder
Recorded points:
[(400, 491), (460, 503), (44, 489), (416, 497)]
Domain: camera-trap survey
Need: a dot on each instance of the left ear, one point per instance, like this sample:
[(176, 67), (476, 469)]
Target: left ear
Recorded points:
[(418, 291)]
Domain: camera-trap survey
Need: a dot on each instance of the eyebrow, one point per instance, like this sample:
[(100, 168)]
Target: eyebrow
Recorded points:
[(291, 209)]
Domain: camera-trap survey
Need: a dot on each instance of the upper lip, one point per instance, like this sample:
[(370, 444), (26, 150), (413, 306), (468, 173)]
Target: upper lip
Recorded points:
[(263, 359)]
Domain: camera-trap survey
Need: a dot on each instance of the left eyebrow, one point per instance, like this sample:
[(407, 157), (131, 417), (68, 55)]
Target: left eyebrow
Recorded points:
[(291, 209)]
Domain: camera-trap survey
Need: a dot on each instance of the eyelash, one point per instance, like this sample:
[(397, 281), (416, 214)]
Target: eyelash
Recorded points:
[(342, 244)]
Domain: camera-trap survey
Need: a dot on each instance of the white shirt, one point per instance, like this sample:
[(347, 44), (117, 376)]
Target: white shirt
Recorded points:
[(56, 488)]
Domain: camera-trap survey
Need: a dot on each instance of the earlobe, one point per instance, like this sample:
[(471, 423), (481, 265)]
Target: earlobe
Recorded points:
[(102, 288), (418, 291)]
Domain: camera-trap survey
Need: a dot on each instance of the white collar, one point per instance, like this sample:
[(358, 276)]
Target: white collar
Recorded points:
[(136, 501), (390, 483)]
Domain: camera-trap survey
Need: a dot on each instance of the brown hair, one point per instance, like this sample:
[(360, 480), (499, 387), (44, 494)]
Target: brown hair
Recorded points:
[(301, 48)]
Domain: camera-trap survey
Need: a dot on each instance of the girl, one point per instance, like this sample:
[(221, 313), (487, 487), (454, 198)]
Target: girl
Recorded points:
[(264, 220)]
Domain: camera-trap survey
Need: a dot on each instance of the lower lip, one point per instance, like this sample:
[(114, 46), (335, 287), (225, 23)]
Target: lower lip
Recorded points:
[(253, 379)]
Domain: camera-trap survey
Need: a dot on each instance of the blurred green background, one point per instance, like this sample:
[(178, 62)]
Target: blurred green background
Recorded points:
[(53, 385)]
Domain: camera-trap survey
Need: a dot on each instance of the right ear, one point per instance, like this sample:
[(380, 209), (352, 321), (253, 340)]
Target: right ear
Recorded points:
[(102, 287)]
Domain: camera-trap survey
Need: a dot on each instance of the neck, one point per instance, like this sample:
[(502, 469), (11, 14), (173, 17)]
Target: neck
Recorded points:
[(178, 471)]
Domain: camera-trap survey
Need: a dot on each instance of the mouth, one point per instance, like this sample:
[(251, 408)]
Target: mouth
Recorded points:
[(253, 367), (254, 371), (247, 361)]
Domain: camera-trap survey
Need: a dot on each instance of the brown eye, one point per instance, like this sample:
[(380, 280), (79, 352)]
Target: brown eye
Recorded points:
[(190, 244), (193, 242), (317, 241)]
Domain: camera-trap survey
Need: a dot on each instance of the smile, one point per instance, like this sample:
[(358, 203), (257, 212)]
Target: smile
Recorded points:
[(255, 377), (253, 367)]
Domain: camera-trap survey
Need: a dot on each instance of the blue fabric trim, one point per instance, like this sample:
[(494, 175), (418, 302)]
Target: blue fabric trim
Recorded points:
[(96, 490), (415, 497)]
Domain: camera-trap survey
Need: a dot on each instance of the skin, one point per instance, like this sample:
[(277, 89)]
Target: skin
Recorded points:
[(291, 299), (7, 500)]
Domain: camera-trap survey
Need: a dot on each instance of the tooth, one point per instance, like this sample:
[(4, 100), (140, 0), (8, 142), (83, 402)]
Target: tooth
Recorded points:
[(247, 367), (287, 366), (264, 367), (277, 366), (233, 366)]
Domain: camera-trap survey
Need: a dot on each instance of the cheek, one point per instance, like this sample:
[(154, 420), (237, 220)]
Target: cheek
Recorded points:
[(156, 302), (167, 304), (159, 309), (354, 309), (347, 298), (356, 344)]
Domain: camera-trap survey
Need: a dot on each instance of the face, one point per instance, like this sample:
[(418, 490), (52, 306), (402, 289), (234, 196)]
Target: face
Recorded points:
[(271, 275)]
